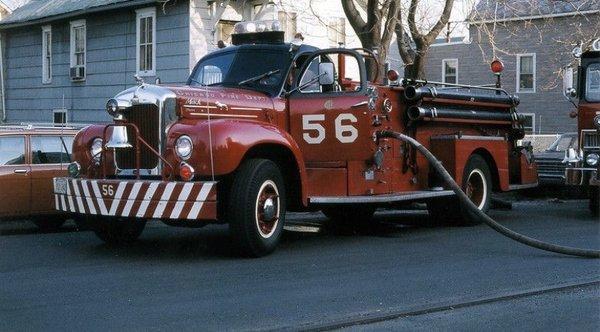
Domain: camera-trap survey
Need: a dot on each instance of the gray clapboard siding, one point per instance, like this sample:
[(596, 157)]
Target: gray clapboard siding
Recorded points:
[(110, 67)]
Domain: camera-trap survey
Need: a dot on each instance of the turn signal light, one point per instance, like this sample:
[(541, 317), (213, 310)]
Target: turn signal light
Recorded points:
[(186, 172), (497, 66)]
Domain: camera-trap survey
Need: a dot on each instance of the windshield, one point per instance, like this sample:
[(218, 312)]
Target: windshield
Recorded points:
[(563, 143), (231, 68), (592, 83)]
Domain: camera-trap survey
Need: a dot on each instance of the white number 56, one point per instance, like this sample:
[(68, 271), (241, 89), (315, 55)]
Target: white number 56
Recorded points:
[(345, 133)]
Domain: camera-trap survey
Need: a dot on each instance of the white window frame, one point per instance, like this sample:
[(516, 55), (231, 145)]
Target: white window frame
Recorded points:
[(532, 115), (73, 61), (518, 73), (46, 49), (444, 61), (140, 14), (60, 111)]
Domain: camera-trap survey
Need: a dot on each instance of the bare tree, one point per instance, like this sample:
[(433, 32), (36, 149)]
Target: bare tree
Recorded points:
[(376, 29), (413, 45)]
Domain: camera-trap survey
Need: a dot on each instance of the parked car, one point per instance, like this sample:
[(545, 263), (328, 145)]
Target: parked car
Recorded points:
[(551, 169), (29, 158)]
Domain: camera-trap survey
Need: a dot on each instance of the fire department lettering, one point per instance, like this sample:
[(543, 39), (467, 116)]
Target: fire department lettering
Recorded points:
[(314, 133)]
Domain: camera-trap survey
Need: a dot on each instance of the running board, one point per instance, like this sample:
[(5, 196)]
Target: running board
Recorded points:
[(387, 198), (522, 186)]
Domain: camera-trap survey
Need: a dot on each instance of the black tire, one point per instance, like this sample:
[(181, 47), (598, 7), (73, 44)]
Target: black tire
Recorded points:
[(256, 207), (477, 183), (116, 231), (594, 203), (49, 223), (348, 219)]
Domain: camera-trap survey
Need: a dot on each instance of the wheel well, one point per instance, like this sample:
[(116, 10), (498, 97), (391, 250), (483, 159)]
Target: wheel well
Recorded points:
[(489, 159), (288, 165)]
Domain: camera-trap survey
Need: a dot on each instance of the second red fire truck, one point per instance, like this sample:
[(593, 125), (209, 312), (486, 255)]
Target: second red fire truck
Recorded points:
[(264, 127)]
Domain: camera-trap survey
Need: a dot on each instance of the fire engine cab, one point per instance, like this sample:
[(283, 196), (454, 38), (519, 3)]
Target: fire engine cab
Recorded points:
[(583, 163), (263, 127)]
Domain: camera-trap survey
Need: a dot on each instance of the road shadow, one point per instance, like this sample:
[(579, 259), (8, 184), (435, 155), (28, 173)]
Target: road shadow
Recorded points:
[(26, 227)]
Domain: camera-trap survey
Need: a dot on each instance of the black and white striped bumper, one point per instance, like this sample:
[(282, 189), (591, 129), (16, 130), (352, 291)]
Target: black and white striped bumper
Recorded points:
[(137, 198)]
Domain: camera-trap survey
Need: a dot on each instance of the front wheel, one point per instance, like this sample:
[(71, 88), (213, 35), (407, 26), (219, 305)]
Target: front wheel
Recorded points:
[(477, 184), (117, 231), (256, 207), (595, 201)]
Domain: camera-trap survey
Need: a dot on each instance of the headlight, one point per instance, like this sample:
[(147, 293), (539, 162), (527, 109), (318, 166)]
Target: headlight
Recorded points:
[(184, 147), (96, 148), (597, 122), (592, 159), (112, 107)]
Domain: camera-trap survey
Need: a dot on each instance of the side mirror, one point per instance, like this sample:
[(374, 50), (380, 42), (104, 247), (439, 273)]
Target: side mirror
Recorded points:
[(326, 70), (568, 90)]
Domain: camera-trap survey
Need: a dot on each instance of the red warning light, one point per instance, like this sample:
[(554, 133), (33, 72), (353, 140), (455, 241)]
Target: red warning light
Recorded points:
[(497, 66)]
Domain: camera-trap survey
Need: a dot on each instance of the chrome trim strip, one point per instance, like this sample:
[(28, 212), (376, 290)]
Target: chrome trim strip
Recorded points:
[(469, 137), (388, 198), (522, 186), (225, 115)]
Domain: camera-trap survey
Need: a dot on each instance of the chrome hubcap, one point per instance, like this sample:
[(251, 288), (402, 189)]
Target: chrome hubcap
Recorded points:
[(476, 188), (267, 209)]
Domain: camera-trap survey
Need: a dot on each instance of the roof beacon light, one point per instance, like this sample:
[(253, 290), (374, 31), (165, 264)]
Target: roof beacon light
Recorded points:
[(497, 66), (257, 26)]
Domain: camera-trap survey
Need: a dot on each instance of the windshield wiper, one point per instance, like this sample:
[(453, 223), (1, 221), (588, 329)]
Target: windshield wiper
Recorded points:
[(259, 77)]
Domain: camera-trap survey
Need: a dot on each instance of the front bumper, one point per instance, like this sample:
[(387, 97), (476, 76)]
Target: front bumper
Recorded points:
[(146, 199), (577, 176)]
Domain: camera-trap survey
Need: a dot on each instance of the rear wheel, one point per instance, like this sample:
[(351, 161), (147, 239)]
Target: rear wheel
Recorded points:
[(118, 231), (49, 223), (477, 185), (256, 207), (595, 200), (344, 219)]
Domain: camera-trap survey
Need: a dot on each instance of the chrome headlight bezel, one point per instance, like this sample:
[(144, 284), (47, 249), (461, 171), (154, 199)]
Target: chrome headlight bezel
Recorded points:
[(592, 159), (597, 122), (112, 107), (184, 147), (96, 149)]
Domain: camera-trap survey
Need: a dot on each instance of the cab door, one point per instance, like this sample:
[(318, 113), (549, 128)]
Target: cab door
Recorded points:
[(50, 156), (330, 121), (15, 177)]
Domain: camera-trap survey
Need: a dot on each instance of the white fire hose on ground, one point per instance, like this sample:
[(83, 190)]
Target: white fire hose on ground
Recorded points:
[(447, 178)]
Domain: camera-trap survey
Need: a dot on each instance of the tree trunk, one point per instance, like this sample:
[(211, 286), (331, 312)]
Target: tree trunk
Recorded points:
[(416, 70)]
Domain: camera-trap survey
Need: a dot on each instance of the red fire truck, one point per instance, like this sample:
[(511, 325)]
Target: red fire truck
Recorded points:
[(264, 127), (584, 163)]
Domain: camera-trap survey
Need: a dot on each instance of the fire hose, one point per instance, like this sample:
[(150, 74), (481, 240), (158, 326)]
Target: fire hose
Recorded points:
[(464, 199)]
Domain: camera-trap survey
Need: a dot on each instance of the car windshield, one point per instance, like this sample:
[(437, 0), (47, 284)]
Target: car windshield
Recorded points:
[(231, 68), (592, 83), (563, 142)]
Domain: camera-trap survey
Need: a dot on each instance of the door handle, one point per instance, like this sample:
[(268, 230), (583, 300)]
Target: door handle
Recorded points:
[(21, 171)]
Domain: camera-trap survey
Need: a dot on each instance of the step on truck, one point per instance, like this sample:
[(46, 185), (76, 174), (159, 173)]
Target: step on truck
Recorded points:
[(583, 163), (263, 127)]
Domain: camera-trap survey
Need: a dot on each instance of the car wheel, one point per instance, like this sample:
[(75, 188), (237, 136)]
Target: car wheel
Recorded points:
[(594, 203), (477, 184), (118, 231), (50, 223), (348, 219), (256, 207)]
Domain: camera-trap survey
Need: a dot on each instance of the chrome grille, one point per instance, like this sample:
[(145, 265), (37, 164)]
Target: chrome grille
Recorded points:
[(552, 168), (147, 119), (590, 139)]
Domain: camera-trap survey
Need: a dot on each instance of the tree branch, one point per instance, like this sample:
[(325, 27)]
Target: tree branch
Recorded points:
[(444, 18), (412, 23), (353, 15)]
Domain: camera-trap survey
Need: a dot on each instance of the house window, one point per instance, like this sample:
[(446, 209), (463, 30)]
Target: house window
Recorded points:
[(78, 49), (450, 71), (225, 30), (526, 73), (60, 116), (288, 22), (336, 31), (146, 42), (46, 54), (529, 123)]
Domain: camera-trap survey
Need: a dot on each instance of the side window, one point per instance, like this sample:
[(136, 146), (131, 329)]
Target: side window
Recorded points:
[(12, 150), (51, 149), (346, 74)]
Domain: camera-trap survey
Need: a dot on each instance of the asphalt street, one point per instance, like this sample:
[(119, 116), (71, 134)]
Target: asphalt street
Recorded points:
[(401, 276)]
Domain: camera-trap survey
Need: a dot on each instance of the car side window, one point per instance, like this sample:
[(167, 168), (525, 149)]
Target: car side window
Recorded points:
[(12, 150), (51, 149)]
